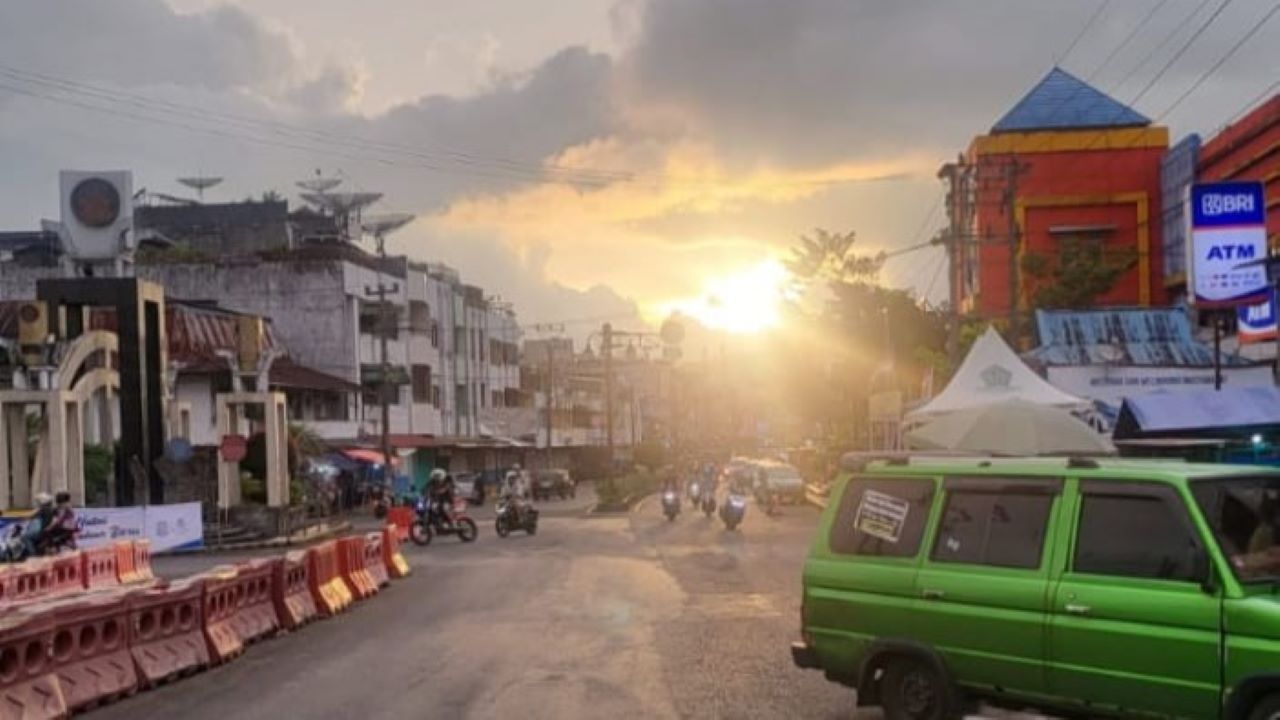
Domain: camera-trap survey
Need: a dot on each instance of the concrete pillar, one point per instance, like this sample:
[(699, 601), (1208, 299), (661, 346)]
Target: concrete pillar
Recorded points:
[(55, 448), (75, 451), (276, 428), (6, 477), (228, 472), (15, 415)]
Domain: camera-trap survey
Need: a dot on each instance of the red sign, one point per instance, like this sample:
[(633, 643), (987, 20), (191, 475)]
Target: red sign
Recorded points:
[(233, 448)]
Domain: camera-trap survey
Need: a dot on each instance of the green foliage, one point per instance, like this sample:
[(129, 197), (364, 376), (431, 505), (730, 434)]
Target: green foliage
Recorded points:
[(176, 255), (650, 454), (617, 491), (99, 466), (1083, 270), (830, 257), (252, 489), (303, 443)]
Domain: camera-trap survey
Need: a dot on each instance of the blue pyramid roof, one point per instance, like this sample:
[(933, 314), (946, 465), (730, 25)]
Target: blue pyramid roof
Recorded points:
[(1063, 101)]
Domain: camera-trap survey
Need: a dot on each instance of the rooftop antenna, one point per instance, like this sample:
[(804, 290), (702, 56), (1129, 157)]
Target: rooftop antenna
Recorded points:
[(199, 183), (319, 183), (345, 207)]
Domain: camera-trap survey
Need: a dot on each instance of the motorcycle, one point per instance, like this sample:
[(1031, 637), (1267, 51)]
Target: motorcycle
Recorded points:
[(708, 502), (511, 518), (695, 492), (433, 521), (670, 505), (378, 494), (733, 510)]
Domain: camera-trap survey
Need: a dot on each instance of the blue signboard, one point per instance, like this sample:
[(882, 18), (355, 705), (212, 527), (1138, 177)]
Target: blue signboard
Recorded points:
[(1257, 322), (1228, 238)]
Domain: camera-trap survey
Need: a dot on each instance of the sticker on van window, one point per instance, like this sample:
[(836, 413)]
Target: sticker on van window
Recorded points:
[(881, 515)]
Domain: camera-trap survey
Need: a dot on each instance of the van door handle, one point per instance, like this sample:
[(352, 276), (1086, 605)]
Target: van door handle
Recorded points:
[(1077, 609), (930, 594)]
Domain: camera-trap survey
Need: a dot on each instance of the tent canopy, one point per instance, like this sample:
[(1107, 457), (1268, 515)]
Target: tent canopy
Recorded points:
[(991, 372), (1011, 427), (1239, 409)]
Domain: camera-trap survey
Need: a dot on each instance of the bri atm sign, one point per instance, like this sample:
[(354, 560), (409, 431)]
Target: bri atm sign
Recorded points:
[(1228, 243)]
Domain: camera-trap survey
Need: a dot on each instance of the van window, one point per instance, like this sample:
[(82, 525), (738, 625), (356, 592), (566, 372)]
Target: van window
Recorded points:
[(1134, 536), (1005, 529), (883, 517)]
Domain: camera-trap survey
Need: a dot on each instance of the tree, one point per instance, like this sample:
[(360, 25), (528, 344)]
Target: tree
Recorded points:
[(830, 257), (1083, 270)]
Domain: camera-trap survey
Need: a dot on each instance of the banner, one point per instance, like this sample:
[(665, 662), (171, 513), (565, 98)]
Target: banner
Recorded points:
[(1110, 384), (1228, 244), (168, 527), (1257, 323)]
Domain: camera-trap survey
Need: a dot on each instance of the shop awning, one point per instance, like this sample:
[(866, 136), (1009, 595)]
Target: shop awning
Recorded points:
[(365, 455)]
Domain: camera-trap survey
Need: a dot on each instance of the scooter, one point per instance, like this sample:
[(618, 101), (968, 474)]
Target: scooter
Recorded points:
[(433, 521), (733, 510), (670, 504), (708, 502), (695, 493), (511, 518)]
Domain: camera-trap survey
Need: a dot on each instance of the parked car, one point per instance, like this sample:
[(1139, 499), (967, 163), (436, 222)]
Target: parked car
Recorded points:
[(781, 479), (1081, 587), (553, 483)]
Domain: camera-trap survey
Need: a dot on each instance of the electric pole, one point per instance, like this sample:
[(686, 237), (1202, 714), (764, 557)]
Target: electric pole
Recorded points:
[(955, 176), (379, 227), (606, 349), (550, 398)]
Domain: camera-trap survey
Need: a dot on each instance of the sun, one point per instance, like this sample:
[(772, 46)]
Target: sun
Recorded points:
[(746, 302)]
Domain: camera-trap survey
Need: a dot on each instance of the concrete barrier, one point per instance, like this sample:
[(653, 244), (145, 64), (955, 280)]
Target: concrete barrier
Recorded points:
[(29, 689), (90, 648), (166, 632), (291, 592), (255, 616)]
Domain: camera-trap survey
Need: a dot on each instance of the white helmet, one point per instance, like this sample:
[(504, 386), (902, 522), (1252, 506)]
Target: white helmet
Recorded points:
[(43, 499), (438, 474)]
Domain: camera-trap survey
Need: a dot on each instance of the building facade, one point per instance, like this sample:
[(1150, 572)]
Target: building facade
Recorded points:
[(1066, 165)]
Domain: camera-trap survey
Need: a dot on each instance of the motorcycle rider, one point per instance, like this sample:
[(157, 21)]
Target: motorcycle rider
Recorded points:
[(440, 494), (61, 531), (515, 493), (33, 534)]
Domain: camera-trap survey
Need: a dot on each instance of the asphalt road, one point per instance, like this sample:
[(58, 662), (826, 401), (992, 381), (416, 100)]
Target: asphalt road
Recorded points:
[(594, 617)]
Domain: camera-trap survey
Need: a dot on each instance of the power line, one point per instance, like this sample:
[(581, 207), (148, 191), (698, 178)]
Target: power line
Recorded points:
[(1182, 24), (1083, 30), (1182, 50), (1127, 39)]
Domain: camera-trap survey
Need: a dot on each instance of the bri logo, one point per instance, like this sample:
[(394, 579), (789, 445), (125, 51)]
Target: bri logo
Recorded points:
[(1214, 204), (1231, 252), (1257, 314)]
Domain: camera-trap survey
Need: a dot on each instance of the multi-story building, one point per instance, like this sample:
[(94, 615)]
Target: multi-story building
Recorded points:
[(1067, 164)]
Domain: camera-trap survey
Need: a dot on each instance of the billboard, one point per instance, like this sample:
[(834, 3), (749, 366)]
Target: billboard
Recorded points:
[(1228, 237), (1257, 323)]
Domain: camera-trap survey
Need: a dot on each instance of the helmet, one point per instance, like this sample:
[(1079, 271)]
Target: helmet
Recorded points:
[(43, 499), (438, 474), (515, 468)]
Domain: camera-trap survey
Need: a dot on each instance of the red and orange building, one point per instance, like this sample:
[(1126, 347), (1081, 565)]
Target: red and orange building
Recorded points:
[(1066, 163)]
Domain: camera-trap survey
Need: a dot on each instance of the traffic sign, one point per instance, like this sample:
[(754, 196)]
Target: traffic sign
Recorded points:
[(233, 448)]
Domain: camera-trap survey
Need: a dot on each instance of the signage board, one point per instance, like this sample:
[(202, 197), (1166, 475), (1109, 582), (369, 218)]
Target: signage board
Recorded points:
[(233, 448), (1111, 384), (1257, 323), (1228, 238), (168, 527)]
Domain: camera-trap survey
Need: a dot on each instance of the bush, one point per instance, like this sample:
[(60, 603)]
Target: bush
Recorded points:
[(99, 465), (622, 491)]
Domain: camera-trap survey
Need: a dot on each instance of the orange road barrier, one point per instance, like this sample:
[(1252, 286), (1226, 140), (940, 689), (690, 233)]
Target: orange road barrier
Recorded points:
[(392, 558), (373, 563), (89, 653), (255, 616), (28, 687), (65, 574), (221, 601), (401, 517), (30, 580), (166, 632), (126, 563), (98, 567), (142, 561), (328, 589), (291, 592), (351, 563)]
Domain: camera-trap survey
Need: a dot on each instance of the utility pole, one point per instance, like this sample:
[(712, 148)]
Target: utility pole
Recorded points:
[(384, 330), (955, 176), (550, 398), (606, 349), (1012, 170)]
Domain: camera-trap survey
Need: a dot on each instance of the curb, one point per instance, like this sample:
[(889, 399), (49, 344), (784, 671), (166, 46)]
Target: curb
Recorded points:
[(275, 542)]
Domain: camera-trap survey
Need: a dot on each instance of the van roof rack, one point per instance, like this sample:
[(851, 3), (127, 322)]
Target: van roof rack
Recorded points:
[(857, 461)]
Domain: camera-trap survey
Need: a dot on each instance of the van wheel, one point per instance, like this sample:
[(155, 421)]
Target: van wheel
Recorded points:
[(1268, 708), (915, 690)]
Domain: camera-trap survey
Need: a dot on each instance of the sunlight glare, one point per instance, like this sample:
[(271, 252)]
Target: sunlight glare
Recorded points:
[(745, 302)]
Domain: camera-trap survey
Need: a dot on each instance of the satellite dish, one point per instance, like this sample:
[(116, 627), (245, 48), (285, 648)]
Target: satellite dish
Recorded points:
[(342, 203), (383, 224), (319, 184), (199, 183)]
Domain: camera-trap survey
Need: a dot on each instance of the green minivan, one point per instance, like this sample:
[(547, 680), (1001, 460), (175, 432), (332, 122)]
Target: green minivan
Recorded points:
[(1072, 585)]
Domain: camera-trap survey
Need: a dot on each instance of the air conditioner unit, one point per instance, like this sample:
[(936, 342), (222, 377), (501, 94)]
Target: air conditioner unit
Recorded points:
[(97, 212), (33, 331)]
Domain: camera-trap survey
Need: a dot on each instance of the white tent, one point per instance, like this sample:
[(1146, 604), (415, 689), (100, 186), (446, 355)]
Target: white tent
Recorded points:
[(991, 372)]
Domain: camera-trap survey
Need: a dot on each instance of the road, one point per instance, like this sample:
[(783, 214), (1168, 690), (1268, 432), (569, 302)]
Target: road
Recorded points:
[(595, 616)]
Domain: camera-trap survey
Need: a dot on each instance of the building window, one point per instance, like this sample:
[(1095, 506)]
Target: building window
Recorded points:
[(484, 395), (460, 342), (460, 400), (419, 317), (435, 396), (371, 322), (435, 334), (1004, 529), (495, 398), (421, 376)]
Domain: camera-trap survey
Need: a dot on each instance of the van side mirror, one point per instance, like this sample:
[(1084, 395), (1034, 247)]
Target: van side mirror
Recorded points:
[(1202, 567)]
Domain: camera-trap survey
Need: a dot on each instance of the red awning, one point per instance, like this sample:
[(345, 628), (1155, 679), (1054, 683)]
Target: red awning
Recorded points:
[(365, 455)]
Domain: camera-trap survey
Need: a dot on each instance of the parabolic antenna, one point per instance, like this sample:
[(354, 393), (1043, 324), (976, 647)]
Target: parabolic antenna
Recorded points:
[(199, 183), (342, 203), (383, 224), (319, 184)]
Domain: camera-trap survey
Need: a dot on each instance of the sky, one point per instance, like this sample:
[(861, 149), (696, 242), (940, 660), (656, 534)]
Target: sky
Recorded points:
[(590, 159)]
